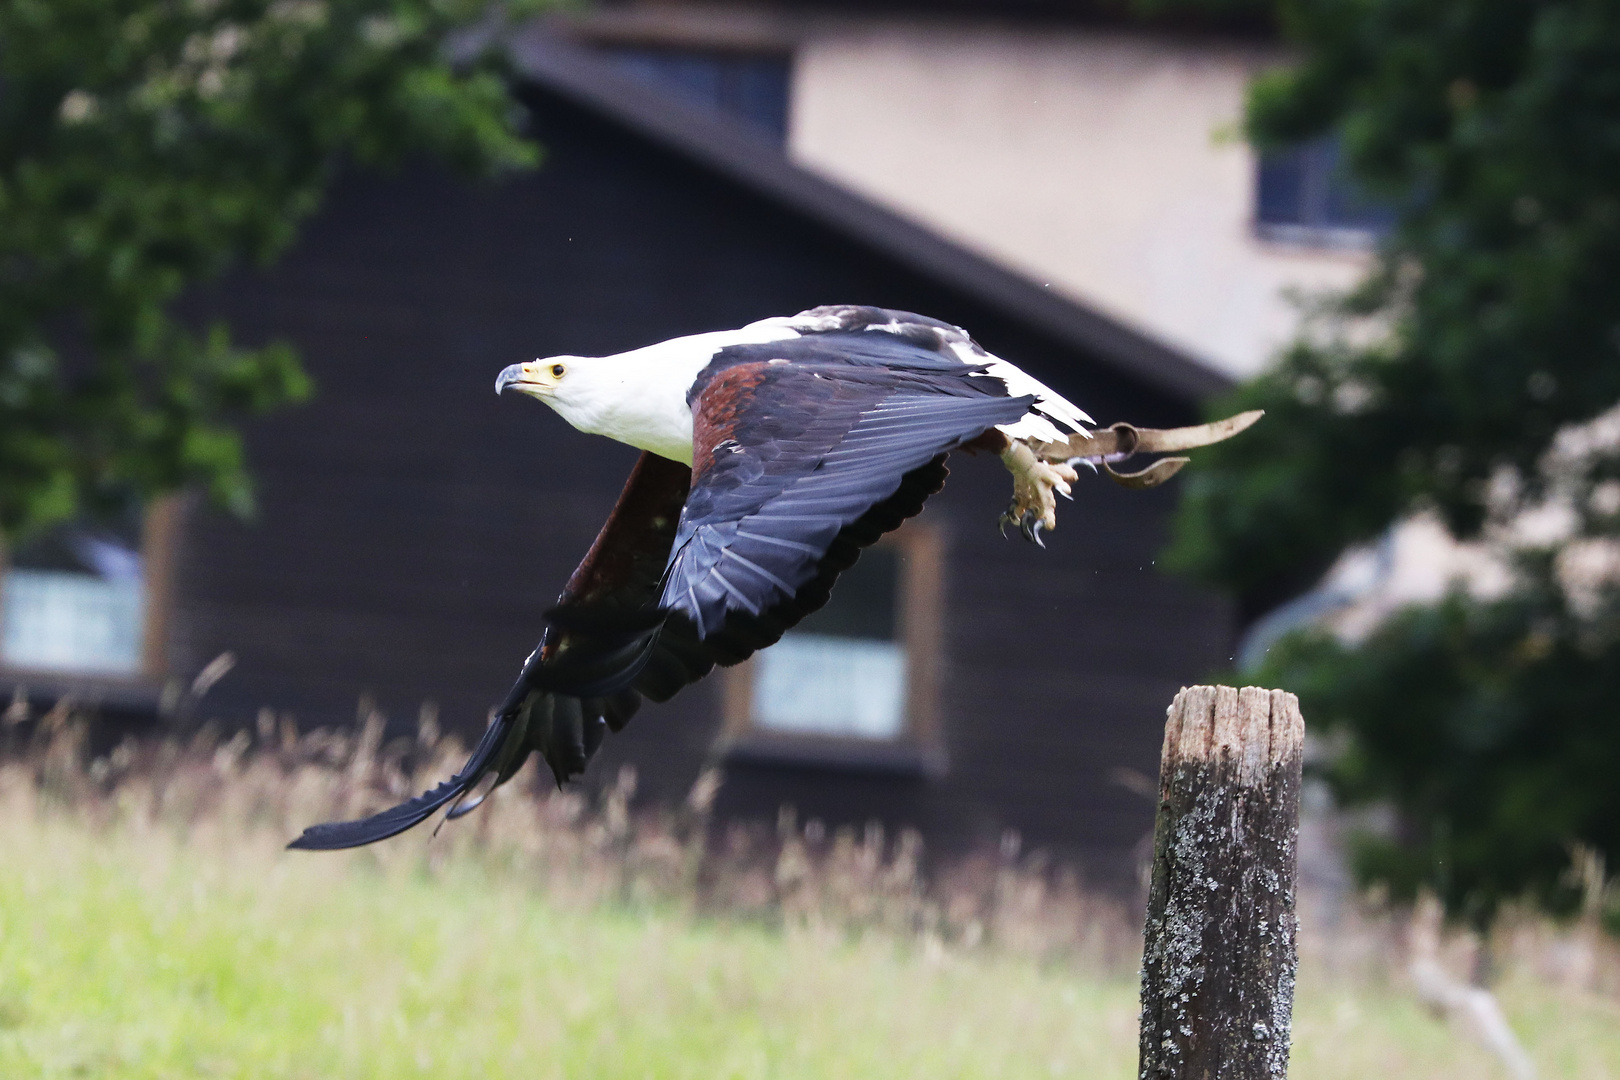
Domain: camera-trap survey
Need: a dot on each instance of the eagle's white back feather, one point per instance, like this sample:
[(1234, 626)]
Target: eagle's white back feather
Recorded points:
[(639, 397)]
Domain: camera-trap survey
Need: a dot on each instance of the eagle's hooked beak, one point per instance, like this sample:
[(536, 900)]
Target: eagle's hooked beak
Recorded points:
[(535, 378)]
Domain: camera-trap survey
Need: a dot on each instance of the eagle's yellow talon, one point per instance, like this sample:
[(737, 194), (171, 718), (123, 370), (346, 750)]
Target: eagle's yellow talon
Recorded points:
[(1036, 485)]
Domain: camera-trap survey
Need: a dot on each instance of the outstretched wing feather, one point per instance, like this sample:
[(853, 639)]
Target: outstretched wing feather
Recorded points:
[(621, 572), (787, 455), (334, 835)]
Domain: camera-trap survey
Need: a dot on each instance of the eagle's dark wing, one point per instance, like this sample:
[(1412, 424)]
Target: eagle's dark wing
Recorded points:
[(795, 441), (621, 573)]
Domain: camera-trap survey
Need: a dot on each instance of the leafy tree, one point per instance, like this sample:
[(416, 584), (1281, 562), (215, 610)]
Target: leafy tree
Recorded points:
[(149, 145), (1494, 127)]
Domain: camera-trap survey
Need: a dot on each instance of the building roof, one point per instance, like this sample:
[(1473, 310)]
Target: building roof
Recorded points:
[(718, 144)]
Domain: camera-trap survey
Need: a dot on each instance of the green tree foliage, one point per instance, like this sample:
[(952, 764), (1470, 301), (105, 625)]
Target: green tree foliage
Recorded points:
[(1494, 127), (149, 145), (1491, 725)]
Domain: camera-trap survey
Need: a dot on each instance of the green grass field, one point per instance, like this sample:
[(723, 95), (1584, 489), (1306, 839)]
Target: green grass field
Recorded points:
[(132, 952)]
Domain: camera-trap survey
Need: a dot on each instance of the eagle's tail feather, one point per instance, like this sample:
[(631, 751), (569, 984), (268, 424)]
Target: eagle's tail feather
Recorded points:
[(503, 738)]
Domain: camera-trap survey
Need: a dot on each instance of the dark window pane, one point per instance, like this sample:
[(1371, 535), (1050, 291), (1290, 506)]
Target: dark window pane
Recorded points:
[(108, 547), (1281, 195), (1307, 187), (696, 78), (758, 92), (748, 87), (864, 600)]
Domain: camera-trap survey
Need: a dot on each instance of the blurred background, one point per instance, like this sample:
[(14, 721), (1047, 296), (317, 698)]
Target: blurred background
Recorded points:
[(270, 549)]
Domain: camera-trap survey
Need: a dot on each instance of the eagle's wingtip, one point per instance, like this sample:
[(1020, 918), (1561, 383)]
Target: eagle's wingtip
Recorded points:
[(309, 840), (332, 836)]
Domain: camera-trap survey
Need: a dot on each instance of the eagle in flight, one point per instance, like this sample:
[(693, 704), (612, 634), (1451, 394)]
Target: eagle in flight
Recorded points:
[(771, 455)]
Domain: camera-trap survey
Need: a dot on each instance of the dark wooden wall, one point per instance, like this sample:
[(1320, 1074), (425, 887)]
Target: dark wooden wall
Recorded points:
[(413, 526)]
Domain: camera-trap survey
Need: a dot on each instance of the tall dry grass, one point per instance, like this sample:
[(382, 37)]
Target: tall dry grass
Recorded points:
[(227, 802), (274, 780)]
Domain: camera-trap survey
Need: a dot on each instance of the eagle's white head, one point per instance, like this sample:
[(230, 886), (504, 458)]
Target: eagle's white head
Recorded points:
[(584, 390), (626, 397), (542, 378)]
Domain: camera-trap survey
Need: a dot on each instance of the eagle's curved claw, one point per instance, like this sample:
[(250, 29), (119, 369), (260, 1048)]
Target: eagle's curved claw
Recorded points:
[(1029, 522), (1008, 517), (1031, 526), (1036, 485)]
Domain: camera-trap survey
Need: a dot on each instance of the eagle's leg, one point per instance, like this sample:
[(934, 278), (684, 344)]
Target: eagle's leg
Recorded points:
[(1036, 484)]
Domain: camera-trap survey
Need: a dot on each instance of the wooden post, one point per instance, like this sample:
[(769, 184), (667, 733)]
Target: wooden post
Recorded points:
[(1218, 949)]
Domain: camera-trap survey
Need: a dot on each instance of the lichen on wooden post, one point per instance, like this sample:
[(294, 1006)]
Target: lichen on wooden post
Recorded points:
[(1218, 947)]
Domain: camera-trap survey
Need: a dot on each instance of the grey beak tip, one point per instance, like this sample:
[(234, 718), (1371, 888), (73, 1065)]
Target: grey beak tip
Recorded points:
[(508, 375)]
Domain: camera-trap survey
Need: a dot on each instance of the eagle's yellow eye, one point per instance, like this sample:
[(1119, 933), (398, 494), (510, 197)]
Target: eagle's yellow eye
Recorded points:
[(556, 371)]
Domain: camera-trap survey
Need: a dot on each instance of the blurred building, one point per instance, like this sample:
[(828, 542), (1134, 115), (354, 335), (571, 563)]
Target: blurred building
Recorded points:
[(1072, 196), (1104, 162)]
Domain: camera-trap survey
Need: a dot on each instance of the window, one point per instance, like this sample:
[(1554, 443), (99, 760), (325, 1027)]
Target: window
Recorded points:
[(857, 678), (1303, 196), (842, 671), (78, 598), (750, 87)]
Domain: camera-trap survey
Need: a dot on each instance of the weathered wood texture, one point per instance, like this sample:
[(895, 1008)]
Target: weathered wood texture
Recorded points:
[(1218, 951)]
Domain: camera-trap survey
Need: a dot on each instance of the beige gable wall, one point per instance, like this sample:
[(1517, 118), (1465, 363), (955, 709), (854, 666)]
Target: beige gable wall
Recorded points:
[(1105, 163)]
